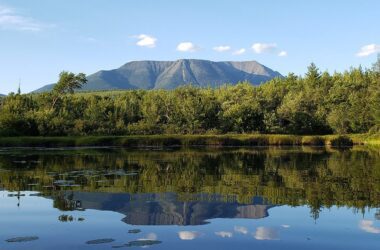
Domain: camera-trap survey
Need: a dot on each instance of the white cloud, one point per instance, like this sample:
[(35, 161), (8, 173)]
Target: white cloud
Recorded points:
[(187, 47), (146, 41), (11, 20), (188, 235), (242, 230), (283, 53), (367, 226), (264, 233), (260, 48), (239, 51), (224, 234), (222, 48), (368, 50), (285, 226)]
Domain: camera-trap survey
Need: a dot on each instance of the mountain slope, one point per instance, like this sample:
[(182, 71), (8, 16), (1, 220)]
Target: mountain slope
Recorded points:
[(45, 88), (172, 74)]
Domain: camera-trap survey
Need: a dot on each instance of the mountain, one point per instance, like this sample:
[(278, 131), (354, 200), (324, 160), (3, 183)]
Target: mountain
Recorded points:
[(45, 88), (1, 95), (171, 74), (166, 208)]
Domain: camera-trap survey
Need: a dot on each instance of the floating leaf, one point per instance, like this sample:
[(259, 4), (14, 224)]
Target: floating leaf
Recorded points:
[(100, 241), (134, 231), (142, 243), (22, 239)]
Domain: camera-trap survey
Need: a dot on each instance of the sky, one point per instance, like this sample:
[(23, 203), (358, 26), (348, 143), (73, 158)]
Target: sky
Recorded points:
[(41, 38)]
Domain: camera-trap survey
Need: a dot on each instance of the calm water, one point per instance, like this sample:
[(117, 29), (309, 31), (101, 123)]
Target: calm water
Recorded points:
[(253, 198)]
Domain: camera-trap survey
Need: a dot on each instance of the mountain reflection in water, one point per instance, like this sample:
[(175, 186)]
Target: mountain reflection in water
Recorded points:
[(166, 209)]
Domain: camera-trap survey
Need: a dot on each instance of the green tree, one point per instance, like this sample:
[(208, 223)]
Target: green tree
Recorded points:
[(313, 74), (68, 82)]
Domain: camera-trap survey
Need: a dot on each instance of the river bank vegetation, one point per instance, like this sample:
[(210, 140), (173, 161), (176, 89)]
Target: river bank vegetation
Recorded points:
[(318, 103), (160, 141)]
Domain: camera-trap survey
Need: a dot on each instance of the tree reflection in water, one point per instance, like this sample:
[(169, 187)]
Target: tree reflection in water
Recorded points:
[(190, 186)]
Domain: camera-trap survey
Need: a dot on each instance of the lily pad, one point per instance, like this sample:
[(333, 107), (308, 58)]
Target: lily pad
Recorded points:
[(36, 194), (142, 243), (139, 243), (100, 241), (132, 173), (134, 231), (15, 195), (22, 239), (63, 182)]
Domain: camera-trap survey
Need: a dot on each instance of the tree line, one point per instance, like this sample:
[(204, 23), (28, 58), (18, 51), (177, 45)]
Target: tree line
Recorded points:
[(316, 103)]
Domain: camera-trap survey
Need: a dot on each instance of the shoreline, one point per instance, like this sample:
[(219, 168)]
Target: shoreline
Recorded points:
[(228, 140)]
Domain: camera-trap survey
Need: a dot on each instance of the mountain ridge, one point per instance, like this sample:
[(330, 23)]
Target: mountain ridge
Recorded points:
[(150, 74)]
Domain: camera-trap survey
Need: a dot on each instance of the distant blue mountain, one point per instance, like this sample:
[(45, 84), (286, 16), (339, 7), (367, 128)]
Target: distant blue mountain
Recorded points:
[(172, 74)]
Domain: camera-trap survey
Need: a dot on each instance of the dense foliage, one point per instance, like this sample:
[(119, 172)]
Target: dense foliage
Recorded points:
[(318, 103)]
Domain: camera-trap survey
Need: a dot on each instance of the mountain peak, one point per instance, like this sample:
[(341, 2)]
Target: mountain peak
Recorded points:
[(171, 74)]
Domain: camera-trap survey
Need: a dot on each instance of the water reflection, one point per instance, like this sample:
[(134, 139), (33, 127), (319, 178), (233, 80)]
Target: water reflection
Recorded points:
[(189, 186), (368, 226), (264, 233), (231, 196), (163, 209), (188, 235)]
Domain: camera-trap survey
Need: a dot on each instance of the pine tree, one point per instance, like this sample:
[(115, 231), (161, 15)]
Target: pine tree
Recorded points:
[(313, 74)]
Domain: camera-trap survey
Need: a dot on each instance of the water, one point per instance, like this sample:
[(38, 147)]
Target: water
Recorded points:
[(249, 198)]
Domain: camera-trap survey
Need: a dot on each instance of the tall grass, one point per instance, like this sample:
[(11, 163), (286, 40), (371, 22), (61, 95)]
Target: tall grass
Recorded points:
[(183, 140)]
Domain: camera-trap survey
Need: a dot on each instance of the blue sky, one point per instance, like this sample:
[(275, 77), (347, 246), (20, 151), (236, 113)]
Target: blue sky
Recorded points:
[(40, 38)]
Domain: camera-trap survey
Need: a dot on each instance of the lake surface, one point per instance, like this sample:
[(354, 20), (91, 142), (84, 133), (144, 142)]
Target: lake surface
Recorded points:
[(200, 198)]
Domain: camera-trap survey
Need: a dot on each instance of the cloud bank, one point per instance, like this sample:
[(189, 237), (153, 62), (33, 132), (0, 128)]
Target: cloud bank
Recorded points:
[(11, 20), (146, 41), (260, 48), (239, 51), (368, 50), (187, 47), (188, 235), (222, 48), (283, 53)]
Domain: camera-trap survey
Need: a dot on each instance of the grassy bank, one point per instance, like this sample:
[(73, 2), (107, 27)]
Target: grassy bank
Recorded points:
[(188, 140)]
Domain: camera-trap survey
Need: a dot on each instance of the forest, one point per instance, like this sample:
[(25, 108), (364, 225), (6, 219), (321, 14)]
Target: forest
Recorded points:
[(318, 103)]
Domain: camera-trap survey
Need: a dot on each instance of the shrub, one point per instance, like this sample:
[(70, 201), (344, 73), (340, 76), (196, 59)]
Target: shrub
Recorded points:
[(313, 141), (341, 141)]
